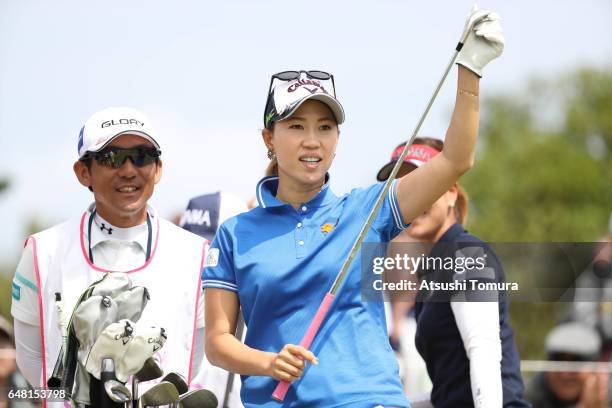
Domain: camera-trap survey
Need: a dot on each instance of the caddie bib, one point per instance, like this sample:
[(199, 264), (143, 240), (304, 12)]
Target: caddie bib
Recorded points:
[(172, 276)]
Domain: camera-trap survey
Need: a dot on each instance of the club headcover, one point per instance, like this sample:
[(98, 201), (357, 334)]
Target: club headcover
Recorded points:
[(132, 302), (91, 317), (112, 284), (113, 342), (146, 342)]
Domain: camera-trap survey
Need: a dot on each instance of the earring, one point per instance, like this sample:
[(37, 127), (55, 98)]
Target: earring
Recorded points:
[(271, 154)]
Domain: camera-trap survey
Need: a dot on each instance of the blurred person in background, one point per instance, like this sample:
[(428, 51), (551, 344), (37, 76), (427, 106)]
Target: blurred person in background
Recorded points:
[(205, 213), (593, 298), (401, 318), (468, 346), (10, 377), (203, 216), (570, 342)]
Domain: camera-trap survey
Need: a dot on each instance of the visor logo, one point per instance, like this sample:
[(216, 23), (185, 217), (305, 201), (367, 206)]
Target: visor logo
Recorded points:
[(303, 82), (121, 122)]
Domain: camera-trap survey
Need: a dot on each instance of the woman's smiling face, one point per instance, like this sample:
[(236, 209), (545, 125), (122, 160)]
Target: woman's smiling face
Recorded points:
[(304, 144)]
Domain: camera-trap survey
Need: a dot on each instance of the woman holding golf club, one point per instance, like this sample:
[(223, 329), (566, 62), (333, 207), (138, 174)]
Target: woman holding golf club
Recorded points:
[(464, 337), (276, 261)]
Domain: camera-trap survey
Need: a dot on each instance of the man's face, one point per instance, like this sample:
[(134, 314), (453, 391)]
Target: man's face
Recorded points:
[(567, 386), (121, 194)]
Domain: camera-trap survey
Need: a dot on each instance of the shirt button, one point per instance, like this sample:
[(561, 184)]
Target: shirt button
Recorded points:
[(304, 208), (301, 242), (299, 225)]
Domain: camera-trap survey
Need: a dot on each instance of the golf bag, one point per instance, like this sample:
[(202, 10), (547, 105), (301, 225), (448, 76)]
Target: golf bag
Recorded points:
[(103, 326)]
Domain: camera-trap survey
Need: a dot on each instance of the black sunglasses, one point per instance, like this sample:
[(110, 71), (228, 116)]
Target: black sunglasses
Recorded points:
[(292, 75), (559, 356), (115, 157)]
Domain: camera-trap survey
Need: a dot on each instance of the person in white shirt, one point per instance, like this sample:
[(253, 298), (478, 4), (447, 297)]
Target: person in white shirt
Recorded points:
[(119, 161)]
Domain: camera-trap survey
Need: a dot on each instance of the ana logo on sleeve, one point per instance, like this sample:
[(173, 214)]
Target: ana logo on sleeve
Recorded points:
[(212, 257)]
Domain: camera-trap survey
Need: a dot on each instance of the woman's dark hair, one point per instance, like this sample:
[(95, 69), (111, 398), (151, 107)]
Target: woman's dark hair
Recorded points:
[(272, 169)]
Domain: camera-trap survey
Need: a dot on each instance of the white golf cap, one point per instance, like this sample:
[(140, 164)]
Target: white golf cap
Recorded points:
[(104, 126), (287, 95), (574, 338)]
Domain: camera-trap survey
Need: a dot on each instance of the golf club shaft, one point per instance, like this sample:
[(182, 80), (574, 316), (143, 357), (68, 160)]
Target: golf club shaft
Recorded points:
[(283, 386), (134, 391), (97, 392), (63, 322)]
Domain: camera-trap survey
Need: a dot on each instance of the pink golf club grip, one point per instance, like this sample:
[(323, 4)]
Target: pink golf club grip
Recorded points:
[(283, 386)]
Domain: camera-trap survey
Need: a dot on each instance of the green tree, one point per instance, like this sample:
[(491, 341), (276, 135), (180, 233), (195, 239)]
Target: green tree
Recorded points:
[(5, 295), (4, 183), (544, 174)]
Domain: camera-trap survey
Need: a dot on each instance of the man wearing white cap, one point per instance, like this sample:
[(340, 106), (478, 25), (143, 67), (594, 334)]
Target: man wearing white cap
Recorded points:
[(572, 343), (119, 161)]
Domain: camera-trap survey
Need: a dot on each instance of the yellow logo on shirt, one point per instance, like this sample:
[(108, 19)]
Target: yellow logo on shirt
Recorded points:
[(327, 228)]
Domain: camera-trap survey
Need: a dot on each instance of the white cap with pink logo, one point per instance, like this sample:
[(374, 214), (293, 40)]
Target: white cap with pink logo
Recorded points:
[(290, 89)]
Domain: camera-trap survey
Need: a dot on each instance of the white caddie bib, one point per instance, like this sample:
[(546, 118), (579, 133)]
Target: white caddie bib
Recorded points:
[(172, 276)]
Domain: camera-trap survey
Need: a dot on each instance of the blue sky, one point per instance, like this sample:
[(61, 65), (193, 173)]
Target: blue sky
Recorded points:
[(200, 71)]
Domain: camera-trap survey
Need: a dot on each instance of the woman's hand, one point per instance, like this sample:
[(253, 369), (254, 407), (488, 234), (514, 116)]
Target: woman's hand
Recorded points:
[(290, 362), (483, 40)]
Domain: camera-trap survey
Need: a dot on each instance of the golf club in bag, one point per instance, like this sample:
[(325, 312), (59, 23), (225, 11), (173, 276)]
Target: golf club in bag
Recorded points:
[(100, 328)]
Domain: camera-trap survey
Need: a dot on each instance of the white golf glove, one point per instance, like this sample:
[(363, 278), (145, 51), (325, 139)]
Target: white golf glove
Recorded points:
[(483, 40)]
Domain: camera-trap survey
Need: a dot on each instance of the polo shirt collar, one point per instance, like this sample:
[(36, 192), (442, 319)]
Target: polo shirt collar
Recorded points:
[(452, 233), (268, 186)]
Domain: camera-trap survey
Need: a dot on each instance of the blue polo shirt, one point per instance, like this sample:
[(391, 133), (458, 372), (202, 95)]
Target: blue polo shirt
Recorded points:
[(281, 261)]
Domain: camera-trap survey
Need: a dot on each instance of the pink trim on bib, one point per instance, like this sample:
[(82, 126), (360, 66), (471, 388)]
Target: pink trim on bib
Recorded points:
[(195, 316), (107, 270), (41, 315)]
